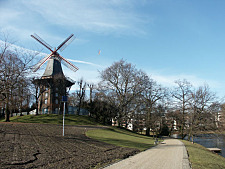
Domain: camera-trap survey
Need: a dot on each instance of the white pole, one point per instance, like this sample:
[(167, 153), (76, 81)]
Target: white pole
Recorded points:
[(64, 115)]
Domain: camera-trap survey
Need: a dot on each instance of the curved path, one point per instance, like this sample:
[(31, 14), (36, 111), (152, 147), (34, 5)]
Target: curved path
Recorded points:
[(170, 154)]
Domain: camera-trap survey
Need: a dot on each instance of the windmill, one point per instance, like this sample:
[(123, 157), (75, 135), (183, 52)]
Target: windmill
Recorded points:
[(53, 83)]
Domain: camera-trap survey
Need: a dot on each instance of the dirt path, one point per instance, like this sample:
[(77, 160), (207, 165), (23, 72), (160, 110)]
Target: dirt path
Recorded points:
[(171, 154)]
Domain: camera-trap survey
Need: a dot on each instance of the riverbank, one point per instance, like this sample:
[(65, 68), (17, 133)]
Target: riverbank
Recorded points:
[(201, 158), (210, 140)]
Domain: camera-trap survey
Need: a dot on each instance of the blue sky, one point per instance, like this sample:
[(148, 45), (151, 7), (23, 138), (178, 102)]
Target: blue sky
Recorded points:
[(167, 39)]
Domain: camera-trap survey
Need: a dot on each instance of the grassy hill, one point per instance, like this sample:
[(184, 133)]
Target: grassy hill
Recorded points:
[(54, 119)]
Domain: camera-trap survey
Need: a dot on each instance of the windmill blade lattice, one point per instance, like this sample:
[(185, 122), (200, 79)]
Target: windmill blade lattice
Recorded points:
[(68, 64), (38, 38), (65, 43), (41, 62), (54, 54)]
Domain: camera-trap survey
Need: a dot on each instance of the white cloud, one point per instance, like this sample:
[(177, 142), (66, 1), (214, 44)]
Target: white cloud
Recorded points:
[(169, 80), (19, 49), (95, 16)]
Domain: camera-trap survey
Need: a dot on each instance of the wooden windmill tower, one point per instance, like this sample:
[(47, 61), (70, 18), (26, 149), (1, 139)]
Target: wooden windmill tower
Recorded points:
[(53, 83)]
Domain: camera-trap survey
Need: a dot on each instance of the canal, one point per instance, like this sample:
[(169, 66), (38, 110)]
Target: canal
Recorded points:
[(209, 141)]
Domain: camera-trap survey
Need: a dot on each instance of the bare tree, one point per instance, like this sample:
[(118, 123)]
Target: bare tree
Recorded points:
[(22, 94), (14, 66), (220, 117), (38, 90), (215, 112), (72, 99), (122, 83), (91, 87), (152, 94), (182, 95), (102, 110), (203, 107), (81, 94)]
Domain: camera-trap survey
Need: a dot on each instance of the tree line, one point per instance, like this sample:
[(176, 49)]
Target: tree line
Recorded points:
[(124, 95), (128, 95), (15, 83)]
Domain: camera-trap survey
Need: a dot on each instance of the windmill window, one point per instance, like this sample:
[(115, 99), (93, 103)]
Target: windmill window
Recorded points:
[(56, 101), (56, 94), (56, 110), (46, 101), (46, 94), (56, 89), (46, 88)]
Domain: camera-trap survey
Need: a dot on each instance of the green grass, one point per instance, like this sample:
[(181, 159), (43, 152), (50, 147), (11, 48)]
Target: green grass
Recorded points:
[(54, 119), (122, 138), (202, 158)]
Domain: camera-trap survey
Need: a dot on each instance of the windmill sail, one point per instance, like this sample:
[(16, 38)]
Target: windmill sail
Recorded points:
[(38, 38), (65, 43), (68, 64), (41, 62), (54, 54)]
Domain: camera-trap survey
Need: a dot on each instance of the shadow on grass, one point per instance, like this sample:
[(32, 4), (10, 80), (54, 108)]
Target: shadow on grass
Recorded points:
[(36, 119), (128, 132), (126, 143), (79, 121), (54, 119)]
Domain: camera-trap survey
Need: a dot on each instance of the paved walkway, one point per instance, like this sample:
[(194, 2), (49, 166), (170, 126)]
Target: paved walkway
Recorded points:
[(170, 154)]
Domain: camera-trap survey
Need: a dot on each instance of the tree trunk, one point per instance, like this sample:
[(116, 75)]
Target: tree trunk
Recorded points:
[(182, 131), (192, 139), (36, 111), (78, 111), (147, 131), (7, 116), (36, 97), (7, 112), (148, 121)]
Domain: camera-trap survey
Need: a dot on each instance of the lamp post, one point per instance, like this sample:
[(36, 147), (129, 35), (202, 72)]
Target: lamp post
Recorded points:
[(64, 100)]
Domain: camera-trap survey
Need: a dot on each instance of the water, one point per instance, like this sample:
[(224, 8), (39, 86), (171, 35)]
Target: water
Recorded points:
[(209, 141)]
